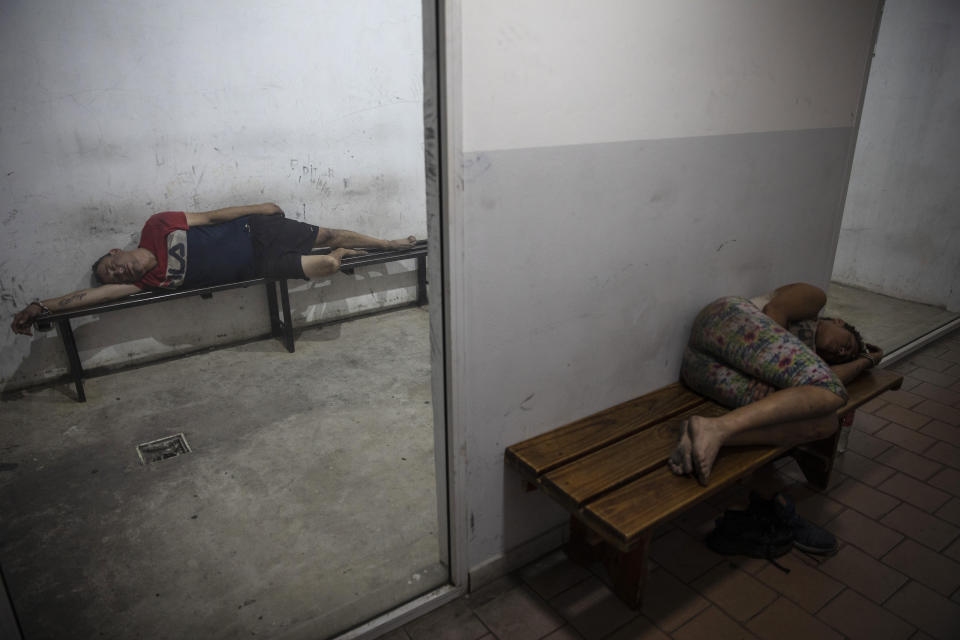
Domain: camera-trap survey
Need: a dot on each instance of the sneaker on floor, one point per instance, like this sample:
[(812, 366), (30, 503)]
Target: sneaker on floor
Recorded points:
[(806, 535), (751, 534)]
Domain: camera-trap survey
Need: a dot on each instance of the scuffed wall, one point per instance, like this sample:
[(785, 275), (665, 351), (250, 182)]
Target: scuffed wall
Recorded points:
[(623, 163), (901, 223), (113, 110)]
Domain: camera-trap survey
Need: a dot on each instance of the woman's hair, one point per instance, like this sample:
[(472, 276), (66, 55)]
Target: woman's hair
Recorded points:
[(860, 347)]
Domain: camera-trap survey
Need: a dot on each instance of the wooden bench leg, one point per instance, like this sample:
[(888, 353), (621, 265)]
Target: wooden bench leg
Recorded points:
[(76, 369), (421, 280), (627, 569), (816, 460)]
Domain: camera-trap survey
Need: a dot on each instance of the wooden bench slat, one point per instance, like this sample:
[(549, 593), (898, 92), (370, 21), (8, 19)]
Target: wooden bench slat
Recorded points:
[(624, 515), (613, 466), (547, 451)]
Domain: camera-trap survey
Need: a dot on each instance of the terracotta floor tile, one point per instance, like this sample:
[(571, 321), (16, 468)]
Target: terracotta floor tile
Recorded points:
[(639, 629), (953, 551), (902, 367), (399, 634), (934, 377), (950, 511), (868, 535), (668, 602), (929, 362), (863, 469), (863, 573), (927, 610), (784, 620), (868, 423), (917, 493), (942, 431), (864, 499), (909, 383), (552, 574), (902, 398), (948, 480), (921, 526), (933, 392), (903, 416), (952, 354), (908, 462), (683, 555), (740, 595), (939, 411), (452, 621), (711, 624), (875, 404), (804, 585), (519, 614), (492, 590), (944, 452), (818, 508), (866, 445), (592, 609), (563, 633), (930, 568), (906, 438), (858, 618)]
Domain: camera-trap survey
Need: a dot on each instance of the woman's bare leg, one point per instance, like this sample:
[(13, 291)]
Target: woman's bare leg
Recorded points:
[(786, 417), (336, 238)]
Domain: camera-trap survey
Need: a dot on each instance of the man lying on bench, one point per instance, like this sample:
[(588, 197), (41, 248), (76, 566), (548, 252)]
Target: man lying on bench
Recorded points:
[(189, 250)]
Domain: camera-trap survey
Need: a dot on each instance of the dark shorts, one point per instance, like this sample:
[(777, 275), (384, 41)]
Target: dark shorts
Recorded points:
[(278, 243)]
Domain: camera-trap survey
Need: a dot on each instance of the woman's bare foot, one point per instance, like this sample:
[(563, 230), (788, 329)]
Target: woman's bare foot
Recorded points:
[(403, 243), (680, 461), (706, 438)]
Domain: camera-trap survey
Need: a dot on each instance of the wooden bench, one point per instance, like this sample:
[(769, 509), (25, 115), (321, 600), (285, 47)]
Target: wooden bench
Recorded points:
[(609, 471), (281, 328)]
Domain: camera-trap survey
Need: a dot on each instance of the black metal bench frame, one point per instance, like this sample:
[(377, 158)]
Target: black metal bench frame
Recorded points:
[(279, 328)]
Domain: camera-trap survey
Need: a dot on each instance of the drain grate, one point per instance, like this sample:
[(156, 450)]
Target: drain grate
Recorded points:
[(163, 448)]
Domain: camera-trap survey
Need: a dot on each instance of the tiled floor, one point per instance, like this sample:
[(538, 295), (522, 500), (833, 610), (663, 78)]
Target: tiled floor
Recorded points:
[(894, 502)]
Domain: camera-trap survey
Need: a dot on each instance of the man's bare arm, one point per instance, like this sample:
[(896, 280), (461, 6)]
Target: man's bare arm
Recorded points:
[(227, 214), (77, 300)]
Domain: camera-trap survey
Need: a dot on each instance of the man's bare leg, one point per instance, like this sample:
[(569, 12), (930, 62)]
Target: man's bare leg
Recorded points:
[(786, 417), (317, 267), (343, 238)]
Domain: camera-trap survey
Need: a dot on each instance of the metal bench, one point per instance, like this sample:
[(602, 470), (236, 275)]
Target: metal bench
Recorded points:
[(279, 328), (609, 471)]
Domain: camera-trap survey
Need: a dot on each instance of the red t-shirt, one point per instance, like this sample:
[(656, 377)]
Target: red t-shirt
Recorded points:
[(156, 237)]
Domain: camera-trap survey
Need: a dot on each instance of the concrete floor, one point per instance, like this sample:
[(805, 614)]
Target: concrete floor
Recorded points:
[(888, 322), (307, 505)]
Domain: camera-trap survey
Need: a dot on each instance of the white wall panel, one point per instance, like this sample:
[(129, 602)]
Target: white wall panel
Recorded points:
[(553, 72)]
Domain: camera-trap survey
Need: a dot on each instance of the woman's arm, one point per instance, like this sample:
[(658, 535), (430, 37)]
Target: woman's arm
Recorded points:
[(793, 302), (231, 213), (848, 371)]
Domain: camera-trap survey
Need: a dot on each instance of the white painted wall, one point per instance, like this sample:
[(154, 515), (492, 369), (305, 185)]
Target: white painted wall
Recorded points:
[(114, 109), (901, 224), (615, 166), (553, 72)]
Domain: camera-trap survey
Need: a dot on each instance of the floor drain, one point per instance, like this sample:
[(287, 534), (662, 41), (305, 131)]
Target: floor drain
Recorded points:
[(157, 450)]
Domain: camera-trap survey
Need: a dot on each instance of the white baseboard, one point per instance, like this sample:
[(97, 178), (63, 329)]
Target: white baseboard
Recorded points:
[(517, 557)]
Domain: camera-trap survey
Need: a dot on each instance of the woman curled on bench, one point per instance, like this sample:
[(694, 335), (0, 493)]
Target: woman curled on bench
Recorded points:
[(780, 367)]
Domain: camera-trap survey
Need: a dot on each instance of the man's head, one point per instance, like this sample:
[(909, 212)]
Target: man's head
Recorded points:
[(119, 267), (837, 341)]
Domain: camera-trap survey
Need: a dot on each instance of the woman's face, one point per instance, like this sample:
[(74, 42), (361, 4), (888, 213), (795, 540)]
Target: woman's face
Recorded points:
[(834, 343)]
